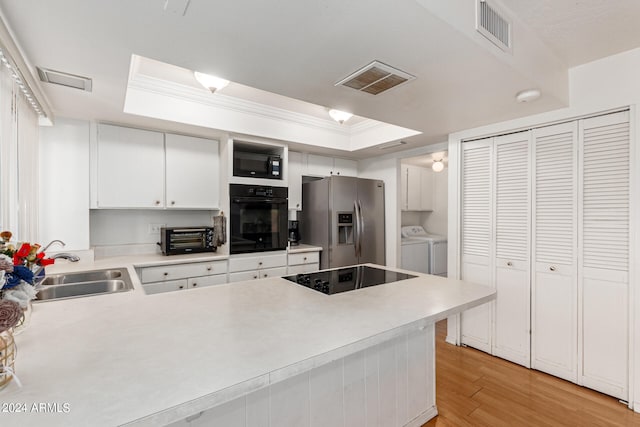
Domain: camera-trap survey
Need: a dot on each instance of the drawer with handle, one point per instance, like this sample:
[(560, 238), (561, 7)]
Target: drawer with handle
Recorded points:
[(304, 258), (181, 271)]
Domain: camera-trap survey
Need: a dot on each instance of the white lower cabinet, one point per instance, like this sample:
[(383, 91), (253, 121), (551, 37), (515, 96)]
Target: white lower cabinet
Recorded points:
[(305, 262), (262, 273), (390, 384), (251, 266), (174, 277)]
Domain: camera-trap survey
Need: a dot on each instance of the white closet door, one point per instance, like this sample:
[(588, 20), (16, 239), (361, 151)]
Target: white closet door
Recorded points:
[(604, 257), (554, 282), (512, 228), (476, 232)]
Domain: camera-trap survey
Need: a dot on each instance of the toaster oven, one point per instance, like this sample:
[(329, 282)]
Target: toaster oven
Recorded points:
[(186, 240)]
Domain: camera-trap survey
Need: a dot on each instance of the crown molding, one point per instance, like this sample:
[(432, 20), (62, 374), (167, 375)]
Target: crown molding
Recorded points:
[(219, 100)]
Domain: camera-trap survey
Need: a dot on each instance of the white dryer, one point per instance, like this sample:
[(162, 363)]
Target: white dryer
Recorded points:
[(436, 262)]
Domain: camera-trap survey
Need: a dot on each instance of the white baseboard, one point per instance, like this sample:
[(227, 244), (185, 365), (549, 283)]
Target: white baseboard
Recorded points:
[(451, 340), (423, 417)]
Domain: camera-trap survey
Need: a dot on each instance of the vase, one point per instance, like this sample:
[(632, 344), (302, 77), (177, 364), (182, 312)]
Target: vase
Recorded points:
[(7, 357), (24, 320)]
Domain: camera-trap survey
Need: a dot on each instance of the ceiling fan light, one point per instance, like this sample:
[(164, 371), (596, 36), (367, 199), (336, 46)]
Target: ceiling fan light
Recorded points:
[(340, 116), (210, 82), (437, 166)]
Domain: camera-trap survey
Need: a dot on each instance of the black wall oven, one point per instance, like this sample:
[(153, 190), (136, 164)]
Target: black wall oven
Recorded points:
[(258, 218)]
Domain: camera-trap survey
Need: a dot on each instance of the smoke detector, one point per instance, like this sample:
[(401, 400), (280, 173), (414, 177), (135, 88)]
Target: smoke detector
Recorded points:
[(375, 78), (64, 79)]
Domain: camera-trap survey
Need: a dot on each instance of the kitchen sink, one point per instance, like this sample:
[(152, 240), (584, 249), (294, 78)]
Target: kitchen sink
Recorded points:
[(83, 276), (84, 284)]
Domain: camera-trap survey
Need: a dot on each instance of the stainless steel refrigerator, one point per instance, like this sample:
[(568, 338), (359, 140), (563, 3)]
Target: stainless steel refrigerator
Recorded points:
[(344, 215)]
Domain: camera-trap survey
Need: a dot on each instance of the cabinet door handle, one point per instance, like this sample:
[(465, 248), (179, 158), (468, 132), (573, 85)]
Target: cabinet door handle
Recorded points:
[(157, 202), (509, 263), (173, 202), (181, 287), (265, 275), (552, 268), (255, 277), (208, 268), (338, 173), (260, 263), (304, 259), (165, 274), (195, 284), (297, 205)]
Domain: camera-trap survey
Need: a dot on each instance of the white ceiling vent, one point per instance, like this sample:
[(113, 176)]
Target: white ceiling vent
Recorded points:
[(493, 25), (64, 79), (375, 78)]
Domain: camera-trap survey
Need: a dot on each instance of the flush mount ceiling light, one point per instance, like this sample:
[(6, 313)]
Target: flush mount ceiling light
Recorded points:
[(438, 161), (210, 82), (528, 95), (438, 165), (340, 116)]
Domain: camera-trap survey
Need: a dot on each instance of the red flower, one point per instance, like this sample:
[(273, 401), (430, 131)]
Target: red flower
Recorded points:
[(24, 250), (44, 262)]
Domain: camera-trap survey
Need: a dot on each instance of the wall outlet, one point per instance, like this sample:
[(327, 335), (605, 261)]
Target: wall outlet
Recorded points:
[(155, 228)]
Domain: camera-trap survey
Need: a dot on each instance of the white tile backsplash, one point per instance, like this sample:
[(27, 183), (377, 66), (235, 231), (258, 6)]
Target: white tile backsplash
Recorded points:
[(131, 227)]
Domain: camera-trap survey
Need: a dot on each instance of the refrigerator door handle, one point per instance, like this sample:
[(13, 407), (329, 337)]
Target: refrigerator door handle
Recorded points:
[(356, 224), (360, 228)]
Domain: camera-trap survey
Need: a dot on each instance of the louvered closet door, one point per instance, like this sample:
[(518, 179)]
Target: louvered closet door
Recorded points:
[(512, 224), (604, 260), (476, 238), (554, 281)]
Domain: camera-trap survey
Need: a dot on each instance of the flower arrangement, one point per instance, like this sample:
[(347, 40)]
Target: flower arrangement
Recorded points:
[(21, 267)]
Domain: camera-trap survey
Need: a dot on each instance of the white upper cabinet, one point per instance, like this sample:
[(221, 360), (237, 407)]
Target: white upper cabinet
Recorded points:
[(192, 177), (130, 168), (417, 188), (139, 169), (345, 167), (295, 180), (426, 189), (327, 166)]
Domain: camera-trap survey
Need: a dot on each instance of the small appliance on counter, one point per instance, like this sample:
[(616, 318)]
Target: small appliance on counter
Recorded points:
[(186, 240), (294, 233)]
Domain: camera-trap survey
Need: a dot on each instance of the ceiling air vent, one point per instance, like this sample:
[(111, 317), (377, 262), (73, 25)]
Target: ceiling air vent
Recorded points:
[(64, 79), (375, 78), (491, 24)]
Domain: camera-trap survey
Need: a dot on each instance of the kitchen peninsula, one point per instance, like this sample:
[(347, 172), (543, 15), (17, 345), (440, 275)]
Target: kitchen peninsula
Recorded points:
[(261, 352)]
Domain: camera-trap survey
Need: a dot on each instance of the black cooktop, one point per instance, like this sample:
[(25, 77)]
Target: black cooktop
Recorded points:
[(347, 279)]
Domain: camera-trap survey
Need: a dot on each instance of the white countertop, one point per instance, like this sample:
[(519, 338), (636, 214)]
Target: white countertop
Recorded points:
[(153, 359)]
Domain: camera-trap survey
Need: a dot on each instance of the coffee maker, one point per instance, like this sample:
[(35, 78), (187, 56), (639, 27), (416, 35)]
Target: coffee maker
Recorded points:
[(294, 233)]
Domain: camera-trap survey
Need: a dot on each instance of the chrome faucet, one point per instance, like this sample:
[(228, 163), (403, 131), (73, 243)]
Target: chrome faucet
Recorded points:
[(51, 243), (65, 255)]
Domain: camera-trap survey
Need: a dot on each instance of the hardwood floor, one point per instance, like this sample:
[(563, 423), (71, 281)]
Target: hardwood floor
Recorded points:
[(477, 389)]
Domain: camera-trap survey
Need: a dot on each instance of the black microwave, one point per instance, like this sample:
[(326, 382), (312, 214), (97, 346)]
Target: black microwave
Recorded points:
[(257, 165), (186, 240)]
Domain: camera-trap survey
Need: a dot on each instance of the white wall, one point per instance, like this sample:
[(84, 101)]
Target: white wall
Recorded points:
[(387, 170), (599, 86), (64, 183)]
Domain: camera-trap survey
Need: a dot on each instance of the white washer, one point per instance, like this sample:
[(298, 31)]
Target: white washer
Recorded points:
[(437, 253), (415, 255)]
